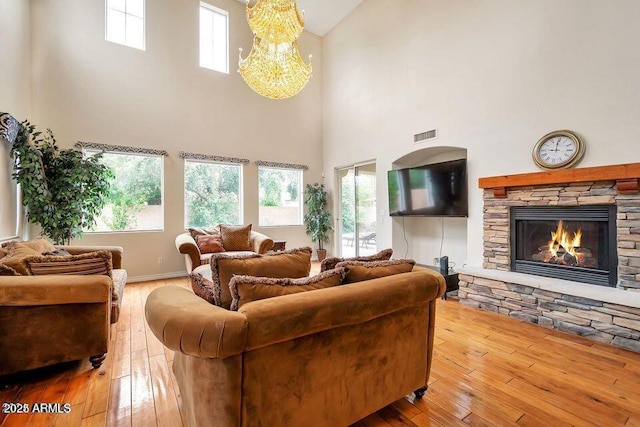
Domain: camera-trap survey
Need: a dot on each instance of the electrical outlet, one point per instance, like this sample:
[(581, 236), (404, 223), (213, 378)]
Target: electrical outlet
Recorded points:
[(436, 261), (160, 260)]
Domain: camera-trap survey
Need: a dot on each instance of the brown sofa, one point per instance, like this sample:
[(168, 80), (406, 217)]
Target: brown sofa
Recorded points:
[(187, 246), (51, 319), (327, 357)]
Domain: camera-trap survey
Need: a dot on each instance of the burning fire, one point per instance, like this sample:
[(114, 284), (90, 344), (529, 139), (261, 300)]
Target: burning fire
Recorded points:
[(561, 239)]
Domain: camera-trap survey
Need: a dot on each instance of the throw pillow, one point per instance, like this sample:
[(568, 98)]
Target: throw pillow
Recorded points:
[(245, 289), (40, 245), (15, 257), (330, 263), (57, 252), (203, 286), (7, 271), (195, 232), (209, 243), (293, 264), (357, 271), (98, 262), (236, 237)]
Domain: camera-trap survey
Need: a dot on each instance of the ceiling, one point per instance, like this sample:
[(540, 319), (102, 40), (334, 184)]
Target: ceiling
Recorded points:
[(322, 15)]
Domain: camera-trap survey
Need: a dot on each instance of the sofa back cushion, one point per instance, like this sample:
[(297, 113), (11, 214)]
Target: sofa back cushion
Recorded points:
[(292, 264), (331, 262), (358, 271), (245, 289), (236, 237), (98, 262)]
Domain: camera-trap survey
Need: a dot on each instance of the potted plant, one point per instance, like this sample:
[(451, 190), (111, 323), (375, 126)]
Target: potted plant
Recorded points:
[(318, 218), (62, 190)]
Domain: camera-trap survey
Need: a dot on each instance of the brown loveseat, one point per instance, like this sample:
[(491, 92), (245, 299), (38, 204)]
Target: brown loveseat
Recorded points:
[(187, 246), (51, 319), (327, 357)]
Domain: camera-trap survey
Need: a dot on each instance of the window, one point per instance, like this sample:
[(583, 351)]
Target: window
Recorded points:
[(125, 22), (212, 193), (279, 196), (135, 202), (214, 38)]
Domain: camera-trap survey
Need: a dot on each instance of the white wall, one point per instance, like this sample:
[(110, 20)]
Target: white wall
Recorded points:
[(15, 92), (91, 90), (492, 75)]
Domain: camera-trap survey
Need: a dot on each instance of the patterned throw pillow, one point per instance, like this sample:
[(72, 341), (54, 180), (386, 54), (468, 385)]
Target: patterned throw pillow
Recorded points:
[(7, 271), (358, 271), (295, 263), (236, 237), (57, 252), (245, 289), (98, 262), (195, 232), (17, 253), (203, 286), (330, 263), (40, 244), (209, 243)]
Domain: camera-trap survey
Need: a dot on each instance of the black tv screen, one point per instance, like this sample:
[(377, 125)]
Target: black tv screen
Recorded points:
[(438, 189)]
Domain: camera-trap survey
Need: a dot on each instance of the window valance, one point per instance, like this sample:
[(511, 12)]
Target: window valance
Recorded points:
[(119, 148), (213, 158), (281, 165)]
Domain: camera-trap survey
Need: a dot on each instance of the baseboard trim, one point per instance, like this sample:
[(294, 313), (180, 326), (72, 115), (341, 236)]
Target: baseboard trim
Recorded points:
[(149, 277)]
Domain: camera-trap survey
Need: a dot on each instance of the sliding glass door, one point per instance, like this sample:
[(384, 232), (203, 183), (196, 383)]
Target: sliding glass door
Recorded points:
[(358, 213)]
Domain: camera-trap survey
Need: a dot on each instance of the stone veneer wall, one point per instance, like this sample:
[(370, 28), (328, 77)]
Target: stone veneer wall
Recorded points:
[(496, 221), (608, 323), (605, 322)]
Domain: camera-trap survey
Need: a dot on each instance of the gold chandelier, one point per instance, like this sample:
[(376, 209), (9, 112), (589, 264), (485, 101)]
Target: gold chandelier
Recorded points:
[(274, 67)]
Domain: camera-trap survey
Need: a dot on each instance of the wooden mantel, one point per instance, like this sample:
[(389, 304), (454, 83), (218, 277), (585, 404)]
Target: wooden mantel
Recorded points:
[(626, 177)]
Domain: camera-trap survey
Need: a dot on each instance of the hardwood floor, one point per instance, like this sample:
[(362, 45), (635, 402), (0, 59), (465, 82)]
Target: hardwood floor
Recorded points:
[(488, 370)]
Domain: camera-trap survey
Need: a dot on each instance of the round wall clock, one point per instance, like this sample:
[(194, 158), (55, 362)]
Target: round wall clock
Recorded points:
[(559, 149)]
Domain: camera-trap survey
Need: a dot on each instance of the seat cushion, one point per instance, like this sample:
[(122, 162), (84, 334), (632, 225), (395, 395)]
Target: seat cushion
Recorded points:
[(206, 258)]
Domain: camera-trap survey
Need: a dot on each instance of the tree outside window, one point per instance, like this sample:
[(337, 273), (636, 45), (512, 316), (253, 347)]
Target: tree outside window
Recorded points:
[(280, 203), (135, 199), (212, 194)]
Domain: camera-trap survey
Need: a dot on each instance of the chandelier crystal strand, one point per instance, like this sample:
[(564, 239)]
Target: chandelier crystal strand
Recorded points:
[(274, 67), (275, 71), (276, 21)]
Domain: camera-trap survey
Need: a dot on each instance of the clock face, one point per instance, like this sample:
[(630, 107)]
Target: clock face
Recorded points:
[(558, 150)]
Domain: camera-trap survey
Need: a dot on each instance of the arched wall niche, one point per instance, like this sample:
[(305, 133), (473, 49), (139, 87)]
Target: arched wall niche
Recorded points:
[(426, 239)]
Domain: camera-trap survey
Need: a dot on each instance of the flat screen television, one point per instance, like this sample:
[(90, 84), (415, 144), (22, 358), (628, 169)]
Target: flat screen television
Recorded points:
[(438, 189)]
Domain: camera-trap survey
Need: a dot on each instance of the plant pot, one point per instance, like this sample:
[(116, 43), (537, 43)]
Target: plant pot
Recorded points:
[(322, 254)]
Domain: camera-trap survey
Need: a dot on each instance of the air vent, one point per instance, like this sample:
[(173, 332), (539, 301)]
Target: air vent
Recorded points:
[(425, 136)]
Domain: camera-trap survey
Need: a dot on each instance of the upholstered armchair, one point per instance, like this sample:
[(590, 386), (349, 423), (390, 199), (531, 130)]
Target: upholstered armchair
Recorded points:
[(193, 258)]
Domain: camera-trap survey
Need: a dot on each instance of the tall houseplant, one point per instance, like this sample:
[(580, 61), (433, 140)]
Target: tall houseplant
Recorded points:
[(62, 191), (318, 218)]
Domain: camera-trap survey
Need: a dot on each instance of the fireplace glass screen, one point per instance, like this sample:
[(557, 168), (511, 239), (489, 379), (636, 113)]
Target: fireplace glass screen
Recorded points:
[(568, 243), (573, 243)]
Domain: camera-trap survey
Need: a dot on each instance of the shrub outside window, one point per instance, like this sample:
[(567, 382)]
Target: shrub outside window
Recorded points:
[(125, 22), (280, 198), (212, 193), (214, 38), (135, 202)]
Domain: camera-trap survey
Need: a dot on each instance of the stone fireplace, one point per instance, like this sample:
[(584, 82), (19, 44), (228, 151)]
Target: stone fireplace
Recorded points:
[(562, 249)]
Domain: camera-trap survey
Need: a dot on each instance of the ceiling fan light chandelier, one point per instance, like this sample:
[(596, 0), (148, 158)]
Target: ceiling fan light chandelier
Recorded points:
[(274, 67)]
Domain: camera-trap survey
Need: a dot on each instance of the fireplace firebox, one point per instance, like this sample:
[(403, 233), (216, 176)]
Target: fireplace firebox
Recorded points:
[(575, 243)]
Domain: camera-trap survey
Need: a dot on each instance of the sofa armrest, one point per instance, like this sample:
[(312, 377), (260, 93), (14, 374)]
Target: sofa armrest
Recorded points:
[(116, 252), (260, 243), (185, 244), (186, 323), (293, 316), (53, 289)]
